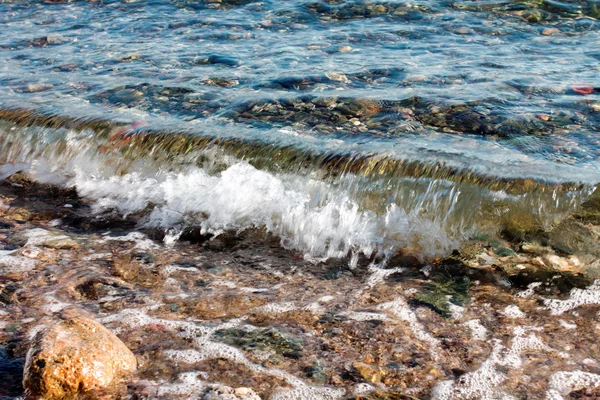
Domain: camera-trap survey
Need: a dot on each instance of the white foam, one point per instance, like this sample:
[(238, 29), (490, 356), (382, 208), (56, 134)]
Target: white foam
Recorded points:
[(277, 308), (567, 325), (188, 385), (562, 383), (577, 298), (309, 392), (53, 305), (307, 214), (485, 382), (141, 241), (456, 311), (205, 348), (16, 264), (400, 310), (513, 311), (362, 388), (478, 331), (530, 291), (7, 170), (365, 316)]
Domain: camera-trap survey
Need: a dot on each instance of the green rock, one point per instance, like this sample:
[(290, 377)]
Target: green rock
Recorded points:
[(589, 211), (267, 339), (519, 226), (439, 294), (572, 237), (504, 252)]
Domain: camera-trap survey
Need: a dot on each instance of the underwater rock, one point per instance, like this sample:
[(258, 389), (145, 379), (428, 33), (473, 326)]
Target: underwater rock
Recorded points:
[(76, 355), (269, 339), (44, 238), (220, 392), (589, 211), (369, 372), (518, 226), (440, 294)]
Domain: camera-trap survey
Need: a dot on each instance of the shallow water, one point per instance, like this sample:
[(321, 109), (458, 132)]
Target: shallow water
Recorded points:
[(400, 189), (347, 104)]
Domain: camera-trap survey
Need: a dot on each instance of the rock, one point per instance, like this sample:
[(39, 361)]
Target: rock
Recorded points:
[(519, 226), (40, 87), (44, 238), (550, 31), (369, 372), (76, 355), (589, 211), (571, 236), (220, 392), (264, 340), (440, 294), (535, 249)]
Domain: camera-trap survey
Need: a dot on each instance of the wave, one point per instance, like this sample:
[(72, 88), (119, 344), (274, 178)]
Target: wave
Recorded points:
[(323, 205)]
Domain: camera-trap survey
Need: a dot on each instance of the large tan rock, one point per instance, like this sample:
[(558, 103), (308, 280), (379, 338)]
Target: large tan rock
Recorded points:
[(75, 355)]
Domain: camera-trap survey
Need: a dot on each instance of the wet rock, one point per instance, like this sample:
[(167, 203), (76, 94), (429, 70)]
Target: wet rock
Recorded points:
[(518, 226), (76, 355), (369, 372), (220, 392), (8, 294), (11, 374), (124, 268), (571, 236), (138, 268), (550, 31), (44, 238), (316, 373), (19, 214), (40, 87), (230, 304), (535, 249), (440, 294), (504, 252), (269, 339), (218, 59), (563, 274), (589, 211)]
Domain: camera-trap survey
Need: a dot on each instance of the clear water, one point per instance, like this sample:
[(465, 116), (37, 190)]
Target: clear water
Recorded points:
[(440, 109)]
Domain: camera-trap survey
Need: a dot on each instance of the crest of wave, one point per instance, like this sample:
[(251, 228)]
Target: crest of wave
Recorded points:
[(308, 215)]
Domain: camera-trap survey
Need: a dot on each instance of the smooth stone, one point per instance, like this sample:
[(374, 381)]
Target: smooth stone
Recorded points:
[(76, 355)]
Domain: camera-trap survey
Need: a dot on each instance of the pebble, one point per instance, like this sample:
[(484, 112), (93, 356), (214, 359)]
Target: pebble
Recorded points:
[(40, 87), (550, 31)]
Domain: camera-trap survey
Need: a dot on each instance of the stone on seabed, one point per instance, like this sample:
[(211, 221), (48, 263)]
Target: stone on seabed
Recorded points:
[(75, 355), (220, 392)]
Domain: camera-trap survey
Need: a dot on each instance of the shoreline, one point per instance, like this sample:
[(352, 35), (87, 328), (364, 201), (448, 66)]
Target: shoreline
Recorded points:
[(273, 322)]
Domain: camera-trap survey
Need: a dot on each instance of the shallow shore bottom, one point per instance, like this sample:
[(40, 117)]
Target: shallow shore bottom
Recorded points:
[(241, 311)]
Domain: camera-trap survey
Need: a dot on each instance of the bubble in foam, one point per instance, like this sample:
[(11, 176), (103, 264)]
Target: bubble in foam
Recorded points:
[(309, 392), (16, 264), (362, 388), (513, 311), (242, 197), (478, 331), (188, 385), (562, 383), (484, 383), (577, 298), (400, 309)]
